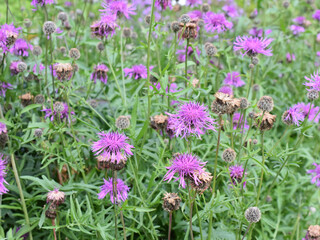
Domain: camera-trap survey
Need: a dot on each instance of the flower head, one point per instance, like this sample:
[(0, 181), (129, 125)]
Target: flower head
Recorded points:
[(100, 73), (4, 87), (290, 57), (315, 173), (8, 36), (186, 166), (171, 202), (56, 197), (107, 188), (3, 165), (296, 30), (309, 111), (118, 8), (252, 46), (59, 110), (231, 10), (234, 79), (137, 71), (163, 4), (40, 3), (236, 174), (21, 47), (62, 71), (216, 22), (113, 147), (313, 82), (316, 15), (193, 3), (105, 27), (226, 89), (293, 115), (191, 119), (299, 20), (3, 128)]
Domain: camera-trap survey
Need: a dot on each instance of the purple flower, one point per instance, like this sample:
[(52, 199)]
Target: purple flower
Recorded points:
[(313, 82), (20, 48), (216, 22), (191, 119), (290, 57), (8, 35), (163, 4), (185, 165), (234, 79), (238, 123), (4, 87), (40, 3), (137, 71), (226, 89), (3, 173), (68, 4), (195, 14), (295, 115), (315, 173), (236, 174), (105, 27), (117, 8), (63, 113), (231, 10), (299, 20), (100, 73), (296, 30), (256, 32), (316, 15), (3, 128), (252, 46), (306, 109), (113, 147), (193, 3), (107, 188), (14, 68)]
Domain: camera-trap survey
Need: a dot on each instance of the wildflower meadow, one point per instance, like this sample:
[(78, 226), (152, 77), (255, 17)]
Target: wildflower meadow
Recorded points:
[(160, 119)]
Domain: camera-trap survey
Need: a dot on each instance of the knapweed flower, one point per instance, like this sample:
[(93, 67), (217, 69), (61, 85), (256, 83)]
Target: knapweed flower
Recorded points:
[(193, 3), (313, 233), (14, 70), (216, 22), (40, 3), (226, 89), (252, 46), (3, 128), (309, 110), (299, 20), (238, 122), (105, 27), (4, 87), (100, 73), (191, 119), (187, 166), (56, 197), (293, 115), (163, 4), (137, 71), (117, 8), (296, 30), (290, 57), (195, 14), (231, 10), (234, 79), (313, 82), (316, 15), (113, 147), (107, 188), (59, 109), (315, 173), (3, 165), (236, 174), (20, 48), (62, 71), (8, 36), (171, 202)]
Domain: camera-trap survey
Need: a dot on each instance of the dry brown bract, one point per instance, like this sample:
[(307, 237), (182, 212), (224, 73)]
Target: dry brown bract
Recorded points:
[(63, 70), (189, 30), (313, 232), (224, 103), (171, 202), (106, 163), (203, 184), (26, 99), (267, 121), (159, 122)]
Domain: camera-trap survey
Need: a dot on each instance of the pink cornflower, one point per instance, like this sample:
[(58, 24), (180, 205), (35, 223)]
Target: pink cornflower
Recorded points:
[(191, 119), (234, 79), (3, 128), (313, 82), (296, 30), (231, 10), (8, 36), (258, 32), (216, 22), (60, 109), (252, 46), (295, 115), (195, 14), (308, 110), (137, 71), (3, 173), (100, 73), (105, 27), (238, 123), (4, 87), (20, 48), (316, 15), (236, 174), (113, 147), (290, 57), (315, 173), (40, 3), (118, 8), (193, 3), (226, 89), (14, 68), (55, 196), (163, 4), (107, 188), (185, 165)]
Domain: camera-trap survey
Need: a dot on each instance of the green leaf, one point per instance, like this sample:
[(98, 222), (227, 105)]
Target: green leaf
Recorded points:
[(28, 108)]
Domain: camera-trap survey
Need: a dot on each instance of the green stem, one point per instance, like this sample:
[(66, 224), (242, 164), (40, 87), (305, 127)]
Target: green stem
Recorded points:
[(186, 64), (114, 190), (190, 211), (122, 72), (123, 226), (251, 82), (199, 220), (262, 170)]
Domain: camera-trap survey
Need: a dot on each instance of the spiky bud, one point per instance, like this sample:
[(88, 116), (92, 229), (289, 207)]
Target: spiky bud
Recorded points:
[(147, 19), (244, 103), (39, 99), (175, 27), (254, 60), (38, 132), (126, 32), (49, 27), (285, 120), (22, 66), (256, 87), (205, 7), (123, 122), (74, 53), (27, 23), (184, 18), (286, 4), (62, 16), (253, 214), (58, 107), (100, 46), (265, 104), (37, 51), (313, 95), (229, 155), (210, 49)]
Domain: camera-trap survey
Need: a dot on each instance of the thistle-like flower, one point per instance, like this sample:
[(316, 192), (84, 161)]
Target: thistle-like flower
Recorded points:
[(186, 166), (40, 3), (137, 71), (8, 35), (117, 8), (113, 147), (105, 27), (63, 113), (313, 82), (100, 73), (234, 79), (191, 119), (55, 197), (4, 87), (121, 190), (216, 22), (20, 48), (236, 174), (252, 46)]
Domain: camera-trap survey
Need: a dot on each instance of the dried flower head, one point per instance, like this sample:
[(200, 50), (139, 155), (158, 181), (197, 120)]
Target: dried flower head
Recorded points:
[(121, 188), (244, 103), (56, 197), (74, 53), (159, 122), (188, 30), (51, 213), (26, 99), (39, 99), (265, 104), (229, 155), (63, 71), (123, 122), (171, 202), (253, 214), (175, 26), (267, 121), (313, 232), (203, 184)]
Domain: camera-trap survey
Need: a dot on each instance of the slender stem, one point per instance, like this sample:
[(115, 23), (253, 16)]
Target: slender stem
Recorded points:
[(123, 226), (7, 12), (51, 49), (186, 63), (170, 224), (122, 72), (251, 82), (262, 170), (190, 212), (46, 69), (114, 190), (54, 229), (199, 220), (246, 231)]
